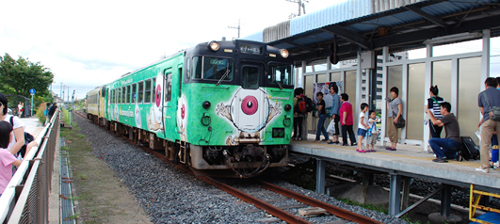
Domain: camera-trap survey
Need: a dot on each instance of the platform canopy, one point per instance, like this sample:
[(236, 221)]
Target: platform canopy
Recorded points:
[(360, 25)]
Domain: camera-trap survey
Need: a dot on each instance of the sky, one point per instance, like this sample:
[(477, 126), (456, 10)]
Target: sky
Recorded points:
[(90, 43)]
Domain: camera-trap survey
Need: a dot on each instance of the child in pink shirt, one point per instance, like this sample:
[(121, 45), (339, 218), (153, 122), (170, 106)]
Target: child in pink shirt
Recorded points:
[(6, 157)]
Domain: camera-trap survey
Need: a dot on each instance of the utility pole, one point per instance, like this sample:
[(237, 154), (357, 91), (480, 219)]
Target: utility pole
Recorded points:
[(239, 28), (301, 6)]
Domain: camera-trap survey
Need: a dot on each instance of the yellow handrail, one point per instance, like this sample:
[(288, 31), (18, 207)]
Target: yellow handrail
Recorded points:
[(474, 204)]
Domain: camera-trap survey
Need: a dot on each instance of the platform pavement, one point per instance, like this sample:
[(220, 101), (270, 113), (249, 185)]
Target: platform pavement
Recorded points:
[(407, 160)]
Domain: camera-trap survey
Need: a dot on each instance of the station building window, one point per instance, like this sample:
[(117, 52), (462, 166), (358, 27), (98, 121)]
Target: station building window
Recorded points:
[(416, 92), (468, 116), (394, 78)]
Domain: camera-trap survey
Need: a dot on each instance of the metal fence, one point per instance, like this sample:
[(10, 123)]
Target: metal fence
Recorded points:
[(26, 198)]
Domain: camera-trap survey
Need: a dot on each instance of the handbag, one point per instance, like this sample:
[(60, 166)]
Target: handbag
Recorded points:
[(494, 111), (400, 123)]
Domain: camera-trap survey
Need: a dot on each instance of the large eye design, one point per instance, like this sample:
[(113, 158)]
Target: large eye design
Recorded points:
[(183, 111), (249, 105), (158, 95)]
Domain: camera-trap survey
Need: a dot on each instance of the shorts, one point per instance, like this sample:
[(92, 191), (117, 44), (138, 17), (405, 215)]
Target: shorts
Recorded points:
[(372, 140), (361, 132)]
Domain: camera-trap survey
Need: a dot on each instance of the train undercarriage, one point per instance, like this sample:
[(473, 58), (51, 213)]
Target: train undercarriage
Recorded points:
[(241, 161)]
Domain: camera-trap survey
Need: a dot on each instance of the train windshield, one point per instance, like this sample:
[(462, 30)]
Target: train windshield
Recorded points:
[(213, 68), (279, 74)]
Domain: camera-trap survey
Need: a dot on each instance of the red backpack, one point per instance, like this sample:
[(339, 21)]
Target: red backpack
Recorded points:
[(301, 106)]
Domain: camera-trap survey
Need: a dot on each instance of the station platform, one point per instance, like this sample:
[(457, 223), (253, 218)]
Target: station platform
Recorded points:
[(408, 160)]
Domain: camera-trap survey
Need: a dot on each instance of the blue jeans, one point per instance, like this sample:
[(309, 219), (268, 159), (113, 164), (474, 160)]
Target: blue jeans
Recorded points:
[(444, 147), (321, 127)]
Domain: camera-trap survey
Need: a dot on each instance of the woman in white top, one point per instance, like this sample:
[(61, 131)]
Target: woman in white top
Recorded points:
[(18, 127)]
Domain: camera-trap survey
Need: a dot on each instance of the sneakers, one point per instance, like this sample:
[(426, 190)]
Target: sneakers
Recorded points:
[(481, 169), (332, 142), (360, 151), (390, 149), (440, 160), (371, 150)]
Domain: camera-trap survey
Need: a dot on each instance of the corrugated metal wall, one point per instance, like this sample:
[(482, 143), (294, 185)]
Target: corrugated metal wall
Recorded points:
[(384, 5)]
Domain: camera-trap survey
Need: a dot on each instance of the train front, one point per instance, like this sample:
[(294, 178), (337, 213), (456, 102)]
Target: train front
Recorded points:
[(241, 107)]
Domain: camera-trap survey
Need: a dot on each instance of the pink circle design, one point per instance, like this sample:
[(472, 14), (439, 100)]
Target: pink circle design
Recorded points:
[(183, 111), (158, 95), (249, 105)]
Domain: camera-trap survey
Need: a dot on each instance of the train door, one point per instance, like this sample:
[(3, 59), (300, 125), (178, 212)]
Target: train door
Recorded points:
[(250, 102), (169, 106)]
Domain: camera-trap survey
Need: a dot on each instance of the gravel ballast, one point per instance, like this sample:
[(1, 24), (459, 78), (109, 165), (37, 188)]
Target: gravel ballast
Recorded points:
[(169, 195)]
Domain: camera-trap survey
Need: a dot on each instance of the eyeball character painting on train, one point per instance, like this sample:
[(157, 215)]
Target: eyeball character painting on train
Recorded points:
[(250, 110), (154, 117), (182, 113)]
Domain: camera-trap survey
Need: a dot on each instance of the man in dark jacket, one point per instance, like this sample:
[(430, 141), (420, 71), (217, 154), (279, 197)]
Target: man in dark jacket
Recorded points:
[(52, 110)]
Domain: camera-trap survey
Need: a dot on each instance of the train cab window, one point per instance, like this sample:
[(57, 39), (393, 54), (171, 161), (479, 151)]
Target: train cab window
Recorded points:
[(280, 74), (128, 94), (197, 67), (147, 91), (124, 94), (250, 76), (140, 92), (134, 92), (168, 88)]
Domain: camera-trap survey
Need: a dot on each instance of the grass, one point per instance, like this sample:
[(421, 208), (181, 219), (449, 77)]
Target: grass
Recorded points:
[(79, 152)]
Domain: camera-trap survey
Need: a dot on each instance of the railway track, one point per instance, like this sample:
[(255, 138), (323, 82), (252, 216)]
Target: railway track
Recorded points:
[(263, 204)]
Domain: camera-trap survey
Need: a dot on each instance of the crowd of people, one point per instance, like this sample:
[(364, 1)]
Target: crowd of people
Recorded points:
[(437, 110)]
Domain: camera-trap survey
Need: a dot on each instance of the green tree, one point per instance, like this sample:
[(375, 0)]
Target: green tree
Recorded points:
[(18, 77)]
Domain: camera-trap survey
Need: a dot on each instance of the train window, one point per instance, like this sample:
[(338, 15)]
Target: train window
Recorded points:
[(134, 92), (147, 91), (140, 92), (280, 74), (153, 90), (168, 88), (124, 94), (250, 75), (111, 94), (197, 67), (217, 68), (129, 92), (119, 99)]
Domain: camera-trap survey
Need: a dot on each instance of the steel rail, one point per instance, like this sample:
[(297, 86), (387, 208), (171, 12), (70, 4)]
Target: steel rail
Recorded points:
[(334, 210), (271, 209)]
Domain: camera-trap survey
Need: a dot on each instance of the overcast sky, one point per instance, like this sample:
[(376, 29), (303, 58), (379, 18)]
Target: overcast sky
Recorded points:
[(91, 43)]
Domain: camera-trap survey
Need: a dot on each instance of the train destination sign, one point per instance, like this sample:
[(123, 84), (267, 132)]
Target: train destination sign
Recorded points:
[(249, 49)]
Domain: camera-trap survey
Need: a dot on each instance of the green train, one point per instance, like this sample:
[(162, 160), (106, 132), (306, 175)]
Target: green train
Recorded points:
[(223, 108)]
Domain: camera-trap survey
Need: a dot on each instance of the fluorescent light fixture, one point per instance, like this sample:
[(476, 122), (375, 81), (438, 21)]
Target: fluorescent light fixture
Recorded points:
[(453, 38)]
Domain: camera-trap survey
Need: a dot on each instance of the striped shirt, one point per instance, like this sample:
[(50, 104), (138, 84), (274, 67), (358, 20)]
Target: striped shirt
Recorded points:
[(434, 106)]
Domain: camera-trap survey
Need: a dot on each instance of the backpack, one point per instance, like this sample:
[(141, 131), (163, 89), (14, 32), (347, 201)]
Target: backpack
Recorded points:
[(27, 139), (309, 104), (301, 106)]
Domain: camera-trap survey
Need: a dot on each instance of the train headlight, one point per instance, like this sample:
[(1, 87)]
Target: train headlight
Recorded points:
[(287, 121), (214, 45), (278, 132), (284, 53), (206, 120)]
